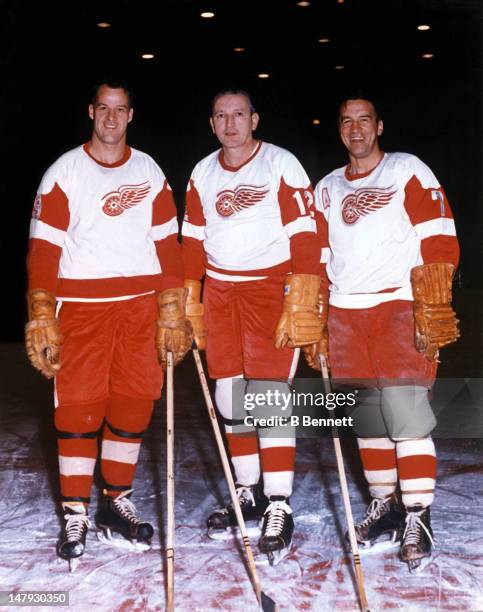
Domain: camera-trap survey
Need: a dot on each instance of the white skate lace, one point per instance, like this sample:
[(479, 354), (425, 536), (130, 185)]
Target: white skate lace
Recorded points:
[(75, 526), (376, 508), (245, 497), (414, 524), (277, 510), (126, 508)]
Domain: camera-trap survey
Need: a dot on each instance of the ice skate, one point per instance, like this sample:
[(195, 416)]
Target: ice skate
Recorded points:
[(277, 529), (417, 540), (222, 523), (118, 515), (383, 525), (72, 541)]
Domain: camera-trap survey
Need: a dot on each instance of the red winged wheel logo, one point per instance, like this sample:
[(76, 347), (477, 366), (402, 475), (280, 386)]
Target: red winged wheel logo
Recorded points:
[(127, 196), (229, 202), (364, 201)]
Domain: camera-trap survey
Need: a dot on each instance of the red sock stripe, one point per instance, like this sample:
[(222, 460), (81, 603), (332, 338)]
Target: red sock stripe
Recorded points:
[(242, 444), (378, 458), (417, 466), (278, 459), (75, 486), (117, 473)]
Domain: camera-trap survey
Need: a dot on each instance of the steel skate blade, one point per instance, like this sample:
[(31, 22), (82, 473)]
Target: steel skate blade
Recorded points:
[(232, 532), (387, 542), (105, 536), (275, 556), (418, 565)]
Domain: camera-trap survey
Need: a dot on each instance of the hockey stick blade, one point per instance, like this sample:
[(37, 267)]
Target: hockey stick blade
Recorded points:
[(267, 604)]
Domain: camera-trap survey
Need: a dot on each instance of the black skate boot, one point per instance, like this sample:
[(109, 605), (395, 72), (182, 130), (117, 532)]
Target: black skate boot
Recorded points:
[(72, 541), (417, 540), (252, 503), (384, 521), (118, 515), (277, 529)]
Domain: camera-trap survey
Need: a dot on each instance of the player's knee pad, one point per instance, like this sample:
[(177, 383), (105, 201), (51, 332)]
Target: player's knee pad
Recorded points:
[(367, 421), (229, 394), (407, 412), (269, 403), (78, 418)]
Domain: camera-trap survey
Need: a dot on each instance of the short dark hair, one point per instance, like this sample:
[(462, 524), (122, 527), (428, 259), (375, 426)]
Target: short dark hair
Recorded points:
[(359, 94), (233, 92), (112, 84)]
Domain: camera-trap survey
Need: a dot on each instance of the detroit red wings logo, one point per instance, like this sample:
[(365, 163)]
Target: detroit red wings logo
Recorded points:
[(364, 201), (127, 196), (229, 202)]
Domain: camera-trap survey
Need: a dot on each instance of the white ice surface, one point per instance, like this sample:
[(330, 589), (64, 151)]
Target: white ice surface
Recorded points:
[(210, 575)]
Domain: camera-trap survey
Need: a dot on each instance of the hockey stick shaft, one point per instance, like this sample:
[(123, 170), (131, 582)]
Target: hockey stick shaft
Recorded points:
[(345, 497), (170, 484), (264, 601)]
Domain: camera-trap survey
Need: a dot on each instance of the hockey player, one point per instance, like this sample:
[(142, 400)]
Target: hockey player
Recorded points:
[(390, 255), (106, 302), (249, 228)]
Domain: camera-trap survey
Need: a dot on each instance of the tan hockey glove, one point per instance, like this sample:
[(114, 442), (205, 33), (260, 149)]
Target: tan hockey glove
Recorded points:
[(436, 324), (312, 351), (299, 323), (174, 332), (42, 333), (195, 311)]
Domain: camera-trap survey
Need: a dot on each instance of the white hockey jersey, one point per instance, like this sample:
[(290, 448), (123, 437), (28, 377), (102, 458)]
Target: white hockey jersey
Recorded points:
[(97, 230), (245, 217), (380, 225)]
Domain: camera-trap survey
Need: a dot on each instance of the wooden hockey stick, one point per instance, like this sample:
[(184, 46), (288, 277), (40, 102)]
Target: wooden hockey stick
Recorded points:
[(264, 601), (170, 485), (345, 497)]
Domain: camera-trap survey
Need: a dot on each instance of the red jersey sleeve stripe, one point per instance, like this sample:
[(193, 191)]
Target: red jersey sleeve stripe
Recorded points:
[(294, 202), (194, 209), (440, 249), (43, 265), (52, 208), (425, 204), (194, 258), (164, 208)]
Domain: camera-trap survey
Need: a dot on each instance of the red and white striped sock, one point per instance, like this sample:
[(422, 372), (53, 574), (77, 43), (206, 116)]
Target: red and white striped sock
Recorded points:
[(378, 456), (417, 465)]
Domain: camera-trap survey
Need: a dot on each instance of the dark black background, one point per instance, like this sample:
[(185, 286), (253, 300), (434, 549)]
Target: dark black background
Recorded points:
[(52, 52)]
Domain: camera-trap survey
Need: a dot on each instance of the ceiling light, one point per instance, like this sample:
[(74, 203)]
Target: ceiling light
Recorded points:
[(339, 67), (239, 49), (316, 121), (423, 27), (263, 75), (340, 1), (428, 55), (323, 40), (303, 3), (103, 24), (207, 14), (147, 55)]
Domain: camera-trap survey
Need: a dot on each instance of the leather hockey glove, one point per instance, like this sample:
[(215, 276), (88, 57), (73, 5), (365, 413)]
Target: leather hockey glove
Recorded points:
[(299, 323), (436, 324), (174, 331), (312, 351), (42, 333), (195, 311)]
